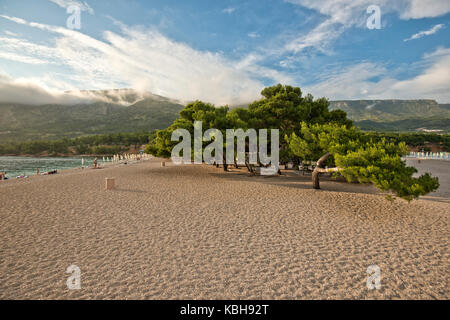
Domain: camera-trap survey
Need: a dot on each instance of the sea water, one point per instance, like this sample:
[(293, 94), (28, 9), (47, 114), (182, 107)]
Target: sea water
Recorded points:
[(27, 166)]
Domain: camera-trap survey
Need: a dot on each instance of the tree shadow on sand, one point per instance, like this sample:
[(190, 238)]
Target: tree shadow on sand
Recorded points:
[(290, 179)]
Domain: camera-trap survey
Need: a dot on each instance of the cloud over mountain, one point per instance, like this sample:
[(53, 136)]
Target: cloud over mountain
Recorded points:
[(146, 60)]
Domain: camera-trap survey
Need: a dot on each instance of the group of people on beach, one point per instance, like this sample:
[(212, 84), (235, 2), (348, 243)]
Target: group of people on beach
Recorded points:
[(4, 177)]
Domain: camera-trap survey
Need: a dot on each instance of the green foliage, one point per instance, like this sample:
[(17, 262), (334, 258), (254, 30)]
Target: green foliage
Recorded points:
[(417, 139), (360, 158), (282, 107), (107, 144), (212, 118), (381, 164), (314, 139), (107, 150), (162, 145)]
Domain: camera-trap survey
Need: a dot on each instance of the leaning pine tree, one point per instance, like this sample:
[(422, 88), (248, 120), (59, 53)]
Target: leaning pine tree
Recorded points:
[(356, 157)]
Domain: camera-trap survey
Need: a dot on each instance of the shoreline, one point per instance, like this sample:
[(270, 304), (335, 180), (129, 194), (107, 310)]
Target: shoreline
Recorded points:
[(61, 170), (102, 166)]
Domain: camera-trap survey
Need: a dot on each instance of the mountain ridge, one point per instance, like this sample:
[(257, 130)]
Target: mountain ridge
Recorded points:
[(126, 110), (396, 114), (21, 122)]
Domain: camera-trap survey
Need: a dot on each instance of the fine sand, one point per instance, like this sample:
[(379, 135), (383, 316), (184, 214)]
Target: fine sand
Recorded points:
[(195, 232)]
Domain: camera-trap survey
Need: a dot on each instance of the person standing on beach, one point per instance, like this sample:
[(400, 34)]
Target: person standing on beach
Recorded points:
[(95, 163)]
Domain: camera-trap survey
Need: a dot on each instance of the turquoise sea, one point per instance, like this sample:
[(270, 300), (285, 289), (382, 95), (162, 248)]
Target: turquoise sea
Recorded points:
[(17, 166)]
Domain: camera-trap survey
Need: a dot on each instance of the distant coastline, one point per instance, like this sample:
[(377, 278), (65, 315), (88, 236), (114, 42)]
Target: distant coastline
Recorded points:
[(97, 145)]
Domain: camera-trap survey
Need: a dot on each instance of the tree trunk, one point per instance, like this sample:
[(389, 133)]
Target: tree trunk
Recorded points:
[(249, 167), (316, 172), (296, 163), (318, 169), (225, 164), (315, 179)]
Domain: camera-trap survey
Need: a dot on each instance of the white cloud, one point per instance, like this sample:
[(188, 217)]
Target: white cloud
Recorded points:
[(229, 10), (343, 14), (49, 89), (21, 58), (355, 82), (433, 83), (250, 65), (26, 91), (338, 16), (319, 38), (438, 53), (148, 61), (417, 9), (253, 35), (21, 50), (14, 19), (421, 34), (83, 5), (350, 83), (9, 33)]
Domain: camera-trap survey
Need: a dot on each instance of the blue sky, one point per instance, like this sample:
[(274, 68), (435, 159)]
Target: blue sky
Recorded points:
[(225, 51)]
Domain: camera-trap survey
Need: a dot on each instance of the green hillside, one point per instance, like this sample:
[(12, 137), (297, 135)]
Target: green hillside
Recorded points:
[(26, 122), (406, 125), (50, 122), (396, 115)]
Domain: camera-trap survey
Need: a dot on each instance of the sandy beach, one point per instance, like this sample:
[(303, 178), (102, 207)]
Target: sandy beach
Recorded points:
[(196, 232)]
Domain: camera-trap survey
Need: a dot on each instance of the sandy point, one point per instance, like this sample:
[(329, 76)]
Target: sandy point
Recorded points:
[(195, 232)]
